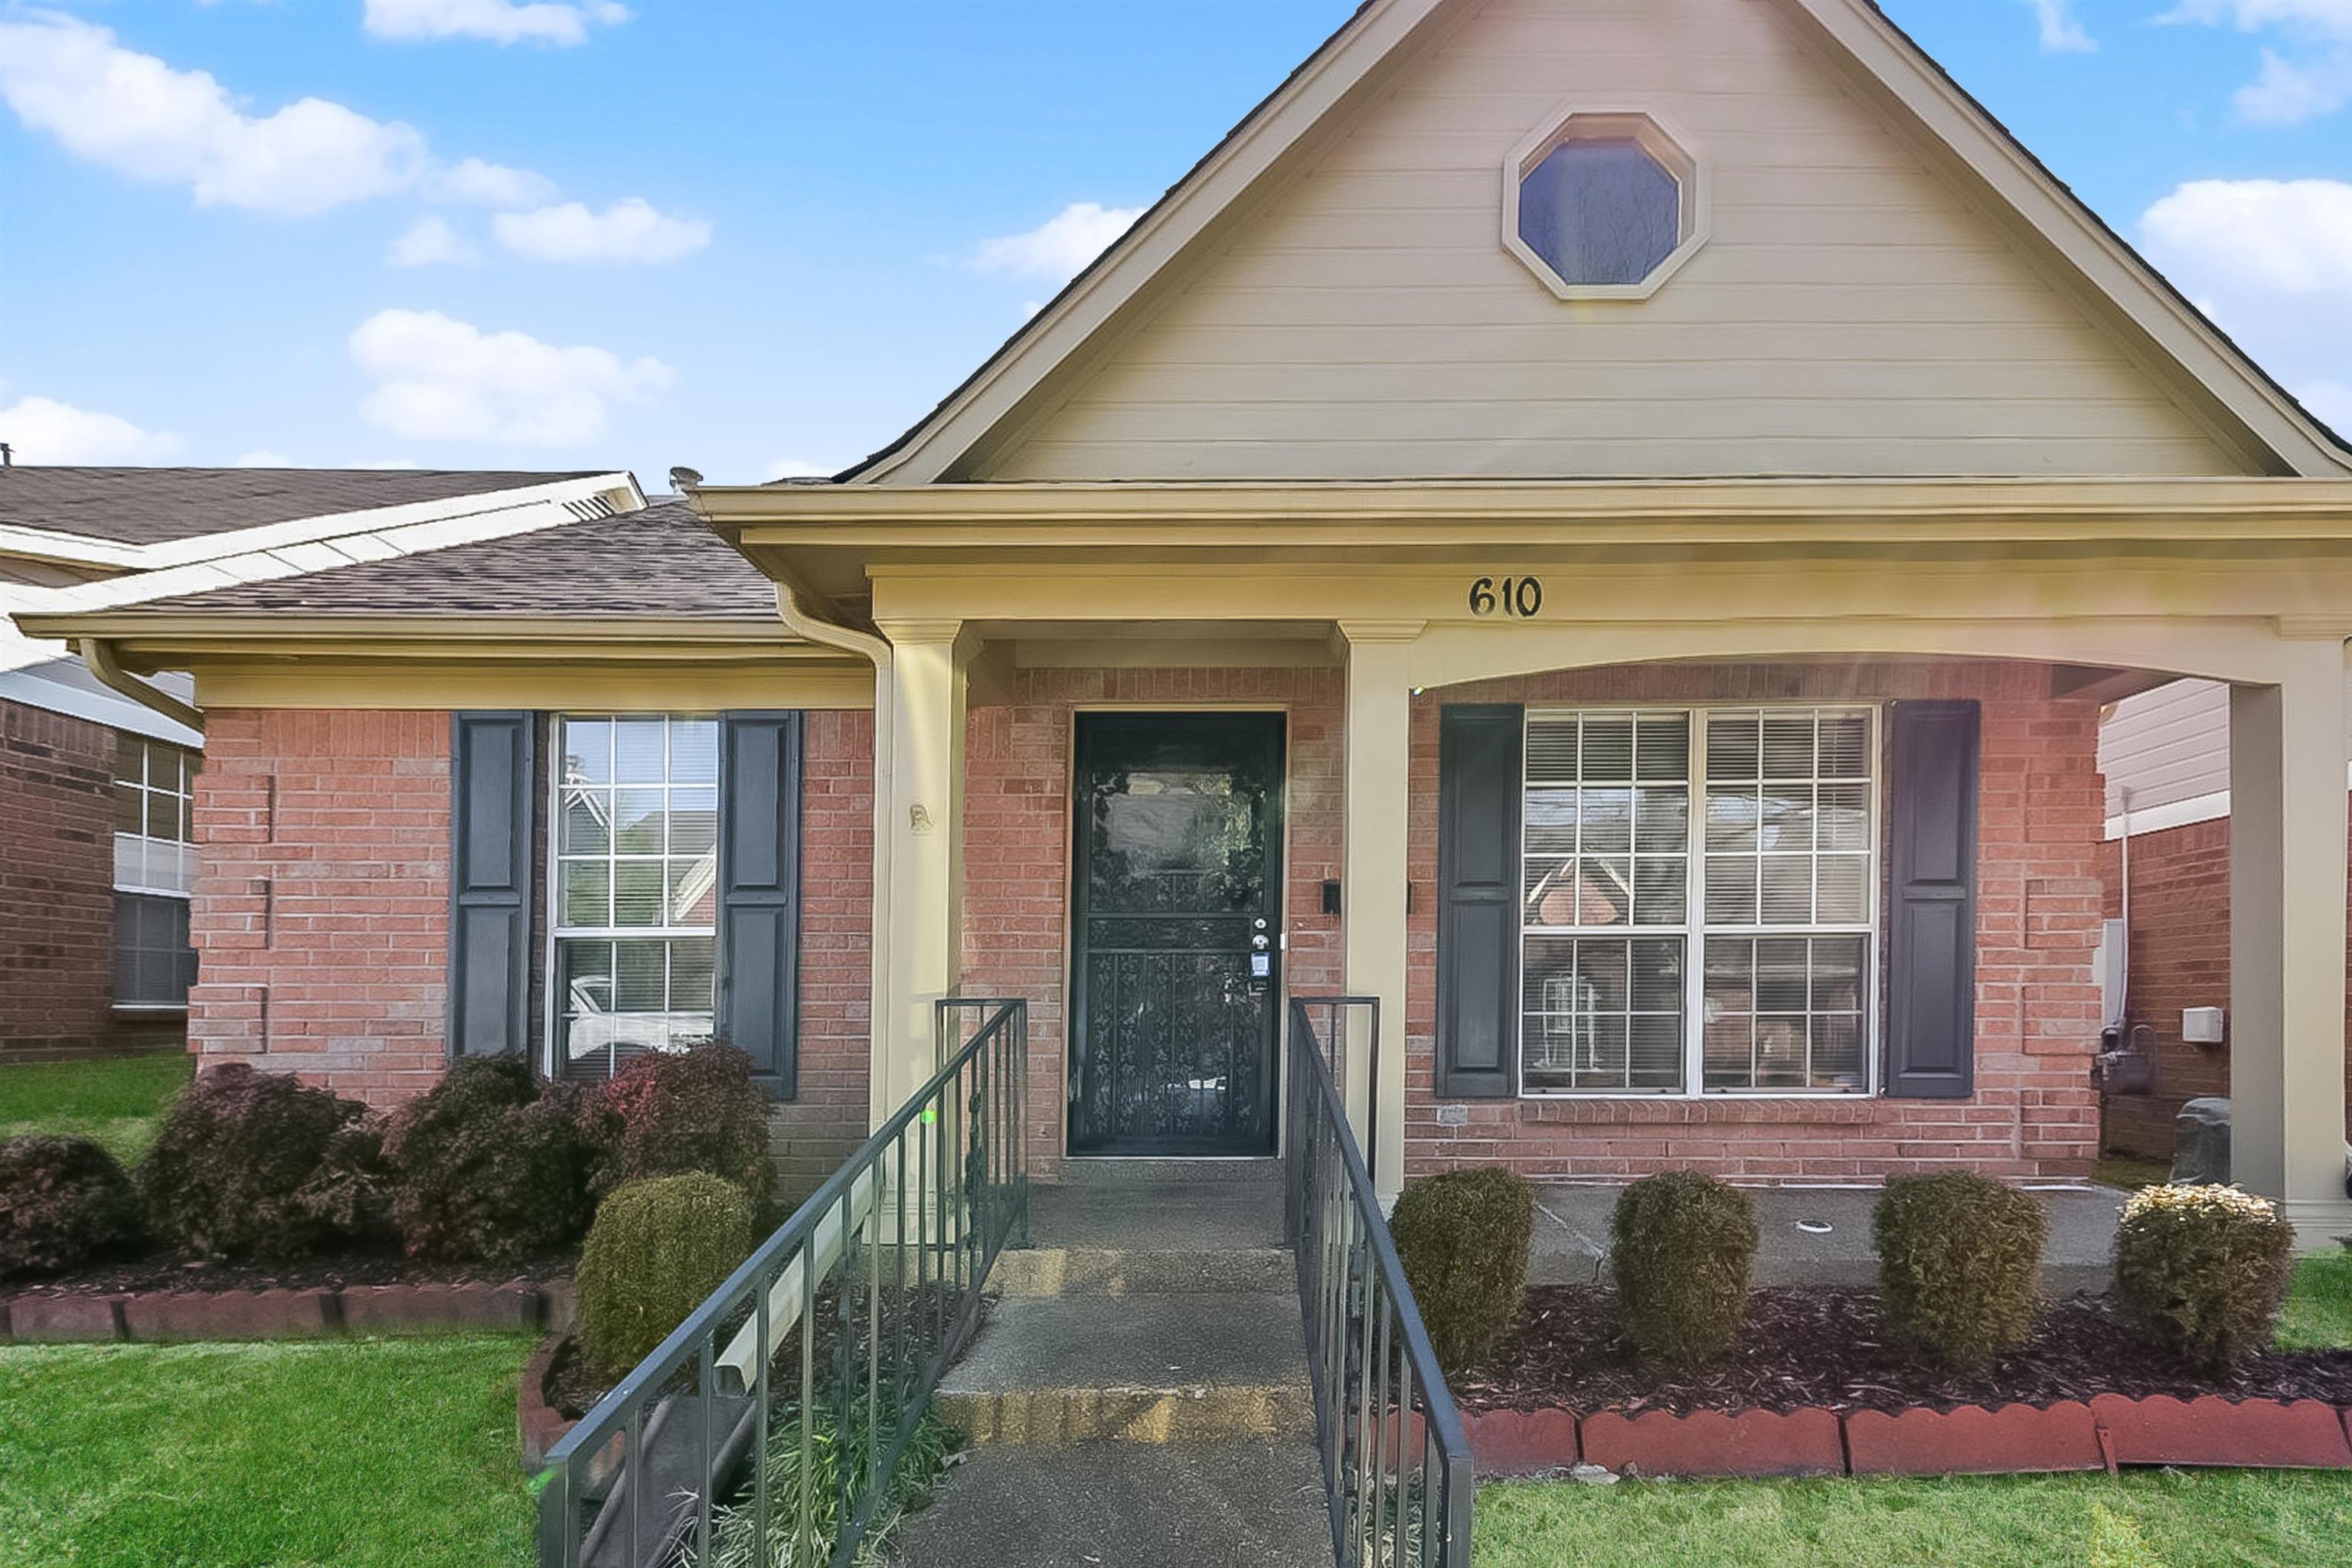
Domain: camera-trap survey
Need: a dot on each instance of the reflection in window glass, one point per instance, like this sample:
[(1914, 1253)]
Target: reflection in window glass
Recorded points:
[(635, 874), (1601, 210)]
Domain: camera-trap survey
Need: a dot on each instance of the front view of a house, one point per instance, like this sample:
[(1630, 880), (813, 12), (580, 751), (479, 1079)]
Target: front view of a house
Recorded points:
[(1607, 528)]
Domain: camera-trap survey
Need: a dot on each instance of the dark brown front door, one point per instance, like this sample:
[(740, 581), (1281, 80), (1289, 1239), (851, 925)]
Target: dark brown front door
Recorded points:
[(1176, 915)]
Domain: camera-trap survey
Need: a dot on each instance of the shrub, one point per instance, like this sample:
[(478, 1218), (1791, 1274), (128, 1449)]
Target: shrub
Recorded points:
[(64, 1201), (488, 1164), (1682, 1246), (664, 1114), (2204, 1270), (226, 1172), (352, 1189), (1960, 1263), (1462, 1238), (656, 1251)]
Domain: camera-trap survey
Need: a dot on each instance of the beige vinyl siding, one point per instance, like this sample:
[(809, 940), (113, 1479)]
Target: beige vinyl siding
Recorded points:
[(2169, 748), (1850, 314)]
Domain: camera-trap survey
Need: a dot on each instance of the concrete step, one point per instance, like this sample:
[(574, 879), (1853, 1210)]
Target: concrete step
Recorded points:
[(1140, 1239), (1234, 1503), (1081, 1171), (1132, 1271), (1141, 1369)]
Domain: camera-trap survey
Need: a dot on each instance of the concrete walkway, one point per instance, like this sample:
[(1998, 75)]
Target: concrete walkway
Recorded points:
[(1818, 1235)]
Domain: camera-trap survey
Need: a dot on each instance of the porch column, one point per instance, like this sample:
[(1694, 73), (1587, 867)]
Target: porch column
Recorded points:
[(1378, 742), (2287, 937), (924, 914)]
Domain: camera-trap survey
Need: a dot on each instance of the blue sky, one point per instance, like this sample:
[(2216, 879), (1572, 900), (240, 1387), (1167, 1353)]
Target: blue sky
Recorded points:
[(753, 237)]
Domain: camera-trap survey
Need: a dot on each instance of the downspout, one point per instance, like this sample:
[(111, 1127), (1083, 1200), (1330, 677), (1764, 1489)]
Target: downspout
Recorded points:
[(99, 655), (805, 623)]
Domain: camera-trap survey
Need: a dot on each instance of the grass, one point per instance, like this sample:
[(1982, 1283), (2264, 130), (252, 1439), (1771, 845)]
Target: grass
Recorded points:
[(2130, 1171), (359, 1454), (2190, 1518), (115, 1100)]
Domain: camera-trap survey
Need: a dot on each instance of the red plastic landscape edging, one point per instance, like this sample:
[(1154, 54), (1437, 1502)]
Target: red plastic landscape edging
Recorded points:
[(1969, 1440), (179, 1315)]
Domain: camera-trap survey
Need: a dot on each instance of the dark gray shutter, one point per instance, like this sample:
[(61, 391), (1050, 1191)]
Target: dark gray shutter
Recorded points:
[(1932, 969), (489, 882), (1479, 792), (760, 893)]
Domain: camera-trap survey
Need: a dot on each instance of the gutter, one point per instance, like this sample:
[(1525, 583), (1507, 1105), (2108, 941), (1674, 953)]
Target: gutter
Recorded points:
[(99, 655)]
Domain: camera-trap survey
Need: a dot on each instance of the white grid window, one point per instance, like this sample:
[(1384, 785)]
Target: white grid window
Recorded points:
[(635, 874), (1754, 914), (154, 824)]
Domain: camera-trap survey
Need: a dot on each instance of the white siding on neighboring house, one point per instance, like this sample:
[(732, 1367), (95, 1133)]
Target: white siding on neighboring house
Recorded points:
[(1851, 314), (2165, 755)]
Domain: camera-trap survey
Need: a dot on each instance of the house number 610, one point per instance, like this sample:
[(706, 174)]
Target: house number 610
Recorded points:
[(1519, 597)]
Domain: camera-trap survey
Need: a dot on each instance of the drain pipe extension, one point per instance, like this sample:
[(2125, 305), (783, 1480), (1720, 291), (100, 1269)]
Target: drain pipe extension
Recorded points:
[(805, 623), (99, 655)]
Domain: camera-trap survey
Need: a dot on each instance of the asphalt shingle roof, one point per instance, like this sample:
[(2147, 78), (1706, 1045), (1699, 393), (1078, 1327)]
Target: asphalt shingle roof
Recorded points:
[(662, 562), (159, 506)]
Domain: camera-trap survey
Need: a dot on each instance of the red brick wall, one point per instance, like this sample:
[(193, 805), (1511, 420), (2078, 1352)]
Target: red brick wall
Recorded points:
[(2038, 893), (323, 910), (57, 883), (2179, 958), (1017, 839)]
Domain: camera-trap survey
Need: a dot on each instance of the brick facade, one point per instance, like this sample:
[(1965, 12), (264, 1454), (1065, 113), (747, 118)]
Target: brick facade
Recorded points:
[(1017, 836), (323, 911), (2179, 958), (2038, 896), (57, 884)]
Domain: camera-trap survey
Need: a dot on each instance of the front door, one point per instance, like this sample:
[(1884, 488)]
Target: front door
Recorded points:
[(1176, 911)]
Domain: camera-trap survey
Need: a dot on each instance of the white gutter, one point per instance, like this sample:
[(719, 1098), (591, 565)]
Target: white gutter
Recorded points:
[(99, 655)]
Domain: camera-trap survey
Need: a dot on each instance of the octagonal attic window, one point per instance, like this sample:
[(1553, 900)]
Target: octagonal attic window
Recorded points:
[(1602, 206)]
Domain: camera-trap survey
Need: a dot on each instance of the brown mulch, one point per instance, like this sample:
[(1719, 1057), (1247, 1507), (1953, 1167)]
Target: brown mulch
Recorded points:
[(185, 1271), (1831, 1349)]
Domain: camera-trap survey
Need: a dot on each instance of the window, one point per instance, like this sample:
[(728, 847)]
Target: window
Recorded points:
[(153, 964), (634, 875), (155, 872), (1718, 865), (1603, 205)]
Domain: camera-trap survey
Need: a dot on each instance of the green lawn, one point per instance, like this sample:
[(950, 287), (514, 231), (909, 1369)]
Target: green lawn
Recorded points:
[(360, 1454), (2319, 1312), (117, 1100)]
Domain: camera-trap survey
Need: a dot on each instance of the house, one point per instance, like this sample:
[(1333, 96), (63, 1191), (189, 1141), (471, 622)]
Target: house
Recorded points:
[(2166, 757), (96, 774), (1607, 529)]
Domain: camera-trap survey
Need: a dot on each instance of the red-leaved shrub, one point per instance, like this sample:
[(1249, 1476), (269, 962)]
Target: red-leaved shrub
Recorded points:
[(227, 1172), (488, 1164), (63, 1203), (668, 1115)]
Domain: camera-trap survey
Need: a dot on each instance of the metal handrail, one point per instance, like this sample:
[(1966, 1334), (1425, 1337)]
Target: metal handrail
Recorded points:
[(1397, 1471), (887, 1261)]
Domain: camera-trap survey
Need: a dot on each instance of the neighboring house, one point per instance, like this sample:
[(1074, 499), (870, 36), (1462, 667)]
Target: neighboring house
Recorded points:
[(2165, 755), (96, 785), (1606, 528)]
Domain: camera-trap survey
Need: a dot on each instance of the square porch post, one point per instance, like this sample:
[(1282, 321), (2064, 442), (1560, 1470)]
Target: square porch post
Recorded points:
[(923, 917), (2287, 875), (1379, 795)]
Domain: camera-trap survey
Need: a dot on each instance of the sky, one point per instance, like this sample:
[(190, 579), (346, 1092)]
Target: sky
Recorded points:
[(759, 237)]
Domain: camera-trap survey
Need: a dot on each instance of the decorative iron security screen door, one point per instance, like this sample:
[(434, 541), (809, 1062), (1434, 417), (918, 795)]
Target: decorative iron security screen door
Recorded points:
[(1176, 953)]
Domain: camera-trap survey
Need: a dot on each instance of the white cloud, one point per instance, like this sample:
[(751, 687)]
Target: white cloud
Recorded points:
[(500, 21), (2311, 80), (138, 116), (627, 231), (2271, 261), (1059, 247), (43, 430), (265, 457), (430, 242), (2061, 31), (491, 185), (801, 468), (438, 379)]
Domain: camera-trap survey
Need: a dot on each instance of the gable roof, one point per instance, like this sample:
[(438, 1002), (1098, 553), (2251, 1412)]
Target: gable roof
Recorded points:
[(141, 506), (1371, 46)]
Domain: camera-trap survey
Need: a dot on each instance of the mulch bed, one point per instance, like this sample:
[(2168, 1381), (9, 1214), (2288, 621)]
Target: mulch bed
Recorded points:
[(185, 1271), (1830, 1349)]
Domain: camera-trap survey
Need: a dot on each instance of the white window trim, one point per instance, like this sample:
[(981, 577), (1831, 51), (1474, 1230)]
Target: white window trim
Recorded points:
[(1694, 929), (180, 849), (556, 931), (1666, 141)]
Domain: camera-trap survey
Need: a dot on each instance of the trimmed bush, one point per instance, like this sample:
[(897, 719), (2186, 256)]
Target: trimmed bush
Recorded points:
[(1462, 1238), (1960, 1263), (656, 1251), (1683, 1247), (2204, 1270), (664, 1114), (64, 1201), (227, 1174), (488, 1164), (352, 1189)]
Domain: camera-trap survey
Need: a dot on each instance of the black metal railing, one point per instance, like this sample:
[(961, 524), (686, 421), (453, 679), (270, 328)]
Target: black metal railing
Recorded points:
[(1397, 1473), (767, 1430)]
